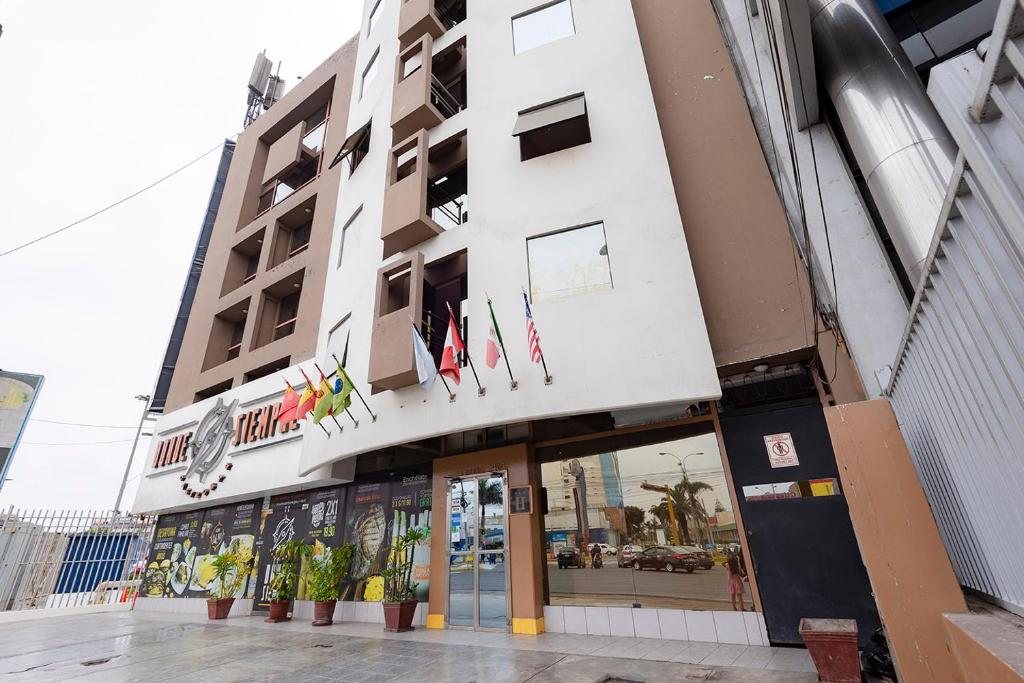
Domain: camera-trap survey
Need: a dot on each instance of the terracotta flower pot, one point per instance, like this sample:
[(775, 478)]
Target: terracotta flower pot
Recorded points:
[(323, 612), (218, 609), (278, 611), (398, 615)]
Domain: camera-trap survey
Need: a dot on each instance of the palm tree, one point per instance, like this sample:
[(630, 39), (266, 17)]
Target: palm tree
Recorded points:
[(684, 500)]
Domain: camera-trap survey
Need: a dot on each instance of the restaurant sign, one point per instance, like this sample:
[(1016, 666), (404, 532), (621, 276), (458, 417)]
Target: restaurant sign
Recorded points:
[(215, 434)]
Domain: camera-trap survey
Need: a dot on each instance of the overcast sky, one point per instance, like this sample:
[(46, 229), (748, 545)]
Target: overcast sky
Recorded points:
[(99, 100)]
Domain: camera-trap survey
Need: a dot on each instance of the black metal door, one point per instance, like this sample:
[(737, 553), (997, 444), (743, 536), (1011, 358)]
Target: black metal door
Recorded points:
[(804, 552)]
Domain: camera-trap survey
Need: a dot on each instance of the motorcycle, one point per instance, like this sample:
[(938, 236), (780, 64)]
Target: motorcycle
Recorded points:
[(598, 561)]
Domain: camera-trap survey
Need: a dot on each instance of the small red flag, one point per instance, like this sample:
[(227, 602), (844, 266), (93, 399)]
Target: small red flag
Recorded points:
[(289, 405), (452, 347)]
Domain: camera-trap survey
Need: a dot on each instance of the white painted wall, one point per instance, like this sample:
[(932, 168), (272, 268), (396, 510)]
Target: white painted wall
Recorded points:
[(264, 467), (642, 343)]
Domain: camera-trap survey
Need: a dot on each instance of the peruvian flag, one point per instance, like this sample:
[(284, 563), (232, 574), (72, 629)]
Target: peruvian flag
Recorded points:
[(493, 354), (452, 348)]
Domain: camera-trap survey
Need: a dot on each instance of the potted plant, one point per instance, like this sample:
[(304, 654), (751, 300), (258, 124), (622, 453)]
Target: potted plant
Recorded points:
[(399, 589), (228, 577), (284, 584), (323, 581)]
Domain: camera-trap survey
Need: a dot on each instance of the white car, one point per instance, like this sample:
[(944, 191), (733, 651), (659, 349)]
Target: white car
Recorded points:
[(605, 548)]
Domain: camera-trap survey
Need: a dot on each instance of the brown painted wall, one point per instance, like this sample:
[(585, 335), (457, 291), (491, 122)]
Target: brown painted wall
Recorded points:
[(988, 648), (525, 549), (235, 223), (753, 286), (907, 563)]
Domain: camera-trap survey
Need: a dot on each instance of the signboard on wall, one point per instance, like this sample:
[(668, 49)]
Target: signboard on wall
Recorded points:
[(781, 451)]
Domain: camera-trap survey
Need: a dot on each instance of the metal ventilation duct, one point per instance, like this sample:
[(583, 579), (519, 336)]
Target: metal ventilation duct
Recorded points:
[(900, 143)]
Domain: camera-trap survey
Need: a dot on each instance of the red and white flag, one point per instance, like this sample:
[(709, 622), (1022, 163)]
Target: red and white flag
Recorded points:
[(452, 348), (493, 352), (532, 336)]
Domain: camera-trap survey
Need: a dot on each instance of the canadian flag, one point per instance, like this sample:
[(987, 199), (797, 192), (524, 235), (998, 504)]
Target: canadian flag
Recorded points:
[(493, 354), (452, 348)]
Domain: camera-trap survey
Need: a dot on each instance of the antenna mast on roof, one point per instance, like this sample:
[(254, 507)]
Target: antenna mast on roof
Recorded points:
[(265, 88)]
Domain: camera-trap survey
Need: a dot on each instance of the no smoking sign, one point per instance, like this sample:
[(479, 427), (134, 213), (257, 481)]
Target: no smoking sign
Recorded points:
[(781, 452)]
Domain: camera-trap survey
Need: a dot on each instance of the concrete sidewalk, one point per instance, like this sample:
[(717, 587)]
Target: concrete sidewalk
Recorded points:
[(134, 646)]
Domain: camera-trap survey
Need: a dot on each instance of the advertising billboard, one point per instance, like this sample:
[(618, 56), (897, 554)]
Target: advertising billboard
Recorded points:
[(18, 393)]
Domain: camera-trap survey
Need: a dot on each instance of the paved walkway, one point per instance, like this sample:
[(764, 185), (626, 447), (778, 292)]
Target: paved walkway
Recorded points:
[(139, 646)]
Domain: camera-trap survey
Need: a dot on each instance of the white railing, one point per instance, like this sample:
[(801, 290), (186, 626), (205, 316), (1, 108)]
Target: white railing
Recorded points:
[(51, 559)]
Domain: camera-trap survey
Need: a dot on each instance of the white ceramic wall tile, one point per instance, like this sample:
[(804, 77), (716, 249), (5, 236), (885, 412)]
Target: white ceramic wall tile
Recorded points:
[(359, 613), (620, 620), (302, 610), (763, 628), (700, 626), (645, 623), (575, 620), (375, 613), (597, 621), (673, 624), (347, 611), (554, 620), (731, 628), (753, 632)]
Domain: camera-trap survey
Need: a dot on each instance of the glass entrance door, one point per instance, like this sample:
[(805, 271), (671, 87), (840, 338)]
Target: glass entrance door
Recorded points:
[(478, 554)]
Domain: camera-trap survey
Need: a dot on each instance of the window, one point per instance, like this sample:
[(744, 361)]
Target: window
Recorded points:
[(355, 148), (552, 127), (542, 26), (287, 313), (573, 261), (369, 74), (374, 16), (268, 369), (337, 338), (349, 240)]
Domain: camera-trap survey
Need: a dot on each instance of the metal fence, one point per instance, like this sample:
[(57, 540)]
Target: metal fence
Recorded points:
[(68, 558)]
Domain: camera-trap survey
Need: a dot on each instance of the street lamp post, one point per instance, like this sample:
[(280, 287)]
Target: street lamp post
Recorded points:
[(124, 480), (686, 481)]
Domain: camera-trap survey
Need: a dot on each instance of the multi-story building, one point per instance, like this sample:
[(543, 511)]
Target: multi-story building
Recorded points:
[(620, 166)]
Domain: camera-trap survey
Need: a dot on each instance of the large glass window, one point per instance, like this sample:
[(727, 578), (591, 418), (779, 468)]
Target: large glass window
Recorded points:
[(569, 262), (651, 526), (374, 16), (349, 239), (542, 26)]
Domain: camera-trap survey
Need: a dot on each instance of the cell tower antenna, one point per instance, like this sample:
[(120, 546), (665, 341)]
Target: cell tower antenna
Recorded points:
[(264, 87)]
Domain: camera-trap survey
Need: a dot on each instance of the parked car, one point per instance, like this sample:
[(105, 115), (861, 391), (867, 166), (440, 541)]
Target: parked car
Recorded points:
[(606, 549), (668, 557), (627, 553), (703, 557), (569, 556)]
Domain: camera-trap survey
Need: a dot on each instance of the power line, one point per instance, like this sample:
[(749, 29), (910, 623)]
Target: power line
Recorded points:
[(80, 424), (117, 203)]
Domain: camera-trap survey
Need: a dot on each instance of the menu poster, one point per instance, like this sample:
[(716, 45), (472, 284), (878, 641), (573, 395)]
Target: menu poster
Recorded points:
[(366, 527), (325, 507), (155, 582), (285, 521), (183, 552), (410, 507), (225, 528)]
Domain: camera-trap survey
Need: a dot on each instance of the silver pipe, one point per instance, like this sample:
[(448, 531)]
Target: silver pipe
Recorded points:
[(900, 143)]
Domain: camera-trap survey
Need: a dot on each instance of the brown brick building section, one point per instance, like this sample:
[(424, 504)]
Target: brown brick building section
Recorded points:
[(234, 331)]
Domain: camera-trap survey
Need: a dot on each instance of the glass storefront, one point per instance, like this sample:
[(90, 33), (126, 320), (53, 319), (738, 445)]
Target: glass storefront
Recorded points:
[(651, 526)]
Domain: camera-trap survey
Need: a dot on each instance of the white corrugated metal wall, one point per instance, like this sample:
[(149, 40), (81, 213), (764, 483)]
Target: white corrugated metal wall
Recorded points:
[(958, 383)]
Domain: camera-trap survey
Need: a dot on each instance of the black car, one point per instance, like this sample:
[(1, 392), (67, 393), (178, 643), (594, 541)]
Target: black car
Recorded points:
[(568, 556), (703, 557), (668, 557)]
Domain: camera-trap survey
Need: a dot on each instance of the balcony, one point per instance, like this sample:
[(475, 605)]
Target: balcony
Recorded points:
[(431, 17), (416, 173), (428, 88), (399, 301)]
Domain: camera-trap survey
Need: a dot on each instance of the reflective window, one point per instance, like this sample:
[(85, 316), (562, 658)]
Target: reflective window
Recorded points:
[(369, 73), (337, 338), (542, 26), (570, 262), (349, 240), (807, 488), (374, 16), (651, 526)]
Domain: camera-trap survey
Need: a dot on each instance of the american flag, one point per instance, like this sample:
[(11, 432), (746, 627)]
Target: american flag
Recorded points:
[(531, 334)]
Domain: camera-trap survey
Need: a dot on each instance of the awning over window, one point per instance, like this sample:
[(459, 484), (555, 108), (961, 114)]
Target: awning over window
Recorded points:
[(353, 143), (550, 114)]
